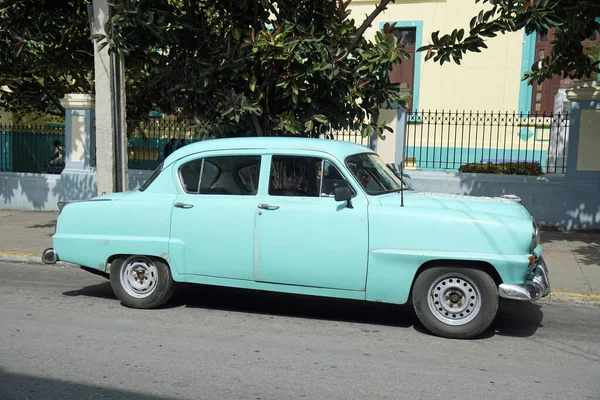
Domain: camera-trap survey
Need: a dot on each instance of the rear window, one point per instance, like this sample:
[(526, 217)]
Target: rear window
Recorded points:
[(151, 178)]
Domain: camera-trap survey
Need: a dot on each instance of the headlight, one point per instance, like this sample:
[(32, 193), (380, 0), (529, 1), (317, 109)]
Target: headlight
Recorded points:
[(535, 236)]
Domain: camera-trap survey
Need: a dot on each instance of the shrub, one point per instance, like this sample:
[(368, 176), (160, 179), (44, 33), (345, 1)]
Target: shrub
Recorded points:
[(511, 168)]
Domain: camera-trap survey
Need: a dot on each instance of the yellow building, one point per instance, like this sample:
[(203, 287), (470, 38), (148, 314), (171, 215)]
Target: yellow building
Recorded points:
[(476, 112), (490, 80)]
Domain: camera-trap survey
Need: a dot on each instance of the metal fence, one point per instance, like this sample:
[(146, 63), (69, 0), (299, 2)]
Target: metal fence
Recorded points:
[(152, 141), (447, 140), (29, 148)]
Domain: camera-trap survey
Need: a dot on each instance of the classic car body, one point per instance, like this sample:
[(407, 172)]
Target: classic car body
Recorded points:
[(223, 212)]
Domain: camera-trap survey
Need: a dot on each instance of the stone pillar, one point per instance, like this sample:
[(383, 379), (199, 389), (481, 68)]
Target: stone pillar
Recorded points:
[(79, 137), (559, 131), (78, 178), (584, 140)]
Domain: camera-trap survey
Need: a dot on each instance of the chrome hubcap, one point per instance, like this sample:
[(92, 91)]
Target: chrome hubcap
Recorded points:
[(454, 299), (139, 277)]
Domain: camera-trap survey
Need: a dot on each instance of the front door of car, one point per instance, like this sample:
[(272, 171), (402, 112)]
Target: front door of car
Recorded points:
[(212, 225), (303, 236)]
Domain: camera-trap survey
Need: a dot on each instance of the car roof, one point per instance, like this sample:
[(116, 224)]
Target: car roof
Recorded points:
[(338, 148)]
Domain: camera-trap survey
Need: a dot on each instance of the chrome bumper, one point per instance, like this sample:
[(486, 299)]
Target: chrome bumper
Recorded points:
[(49, 256), (536, 289)]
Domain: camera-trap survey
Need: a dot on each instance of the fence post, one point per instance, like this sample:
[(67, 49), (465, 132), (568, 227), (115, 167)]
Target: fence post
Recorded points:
[(79, 144), (400, 135)]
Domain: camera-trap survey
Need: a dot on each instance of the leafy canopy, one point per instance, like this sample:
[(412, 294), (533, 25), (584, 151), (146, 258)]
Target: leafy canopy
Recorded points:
[(255, 66), (573, 22), (45, 52)]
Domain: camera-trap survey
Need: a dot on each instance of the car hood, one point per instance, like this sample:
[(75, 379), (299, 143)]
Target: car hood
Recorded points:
[(470, 204)]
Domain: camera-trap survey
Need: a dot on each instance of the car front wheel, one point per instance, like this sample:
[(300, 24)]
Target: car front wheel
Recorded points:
[(452, 302), (141, 282)]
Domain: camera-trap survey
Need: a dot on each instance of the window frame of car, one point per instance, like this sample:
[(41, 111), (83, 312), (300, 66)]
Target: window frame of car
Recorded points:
[(152, 177), (403, 185), (323, 156), (216, 154)]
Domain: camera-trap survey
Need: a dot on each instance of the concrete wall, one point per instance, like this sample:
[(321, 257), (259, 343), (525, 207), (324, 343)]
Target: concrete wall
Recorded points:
[(42, 192), (553, 200), (489, 80)]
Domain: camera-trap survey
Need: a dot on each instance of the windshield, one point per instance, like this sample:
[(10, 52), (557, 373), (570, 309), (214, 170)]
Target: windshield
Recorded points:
[(374, 176), (151, 178)]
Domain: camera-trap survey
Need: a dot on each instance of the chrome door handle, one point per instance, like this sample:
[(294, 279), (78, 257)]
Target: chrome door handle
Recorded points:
[(183, 205), (267, 207)]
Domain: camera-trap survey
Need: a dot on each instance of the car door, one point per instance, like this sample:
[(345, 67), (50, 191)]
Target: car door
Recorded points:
[(212, 223), (303, 236)]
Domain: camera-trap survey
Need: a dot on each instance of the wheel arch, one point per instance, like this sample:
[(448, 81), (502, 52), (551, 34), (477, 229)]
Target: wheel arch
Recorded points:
[(124, 256), (472, 264)]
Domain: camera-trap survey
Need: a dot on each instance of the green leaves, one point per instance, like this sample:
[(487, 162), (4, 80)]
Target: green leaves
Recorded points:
[(244, 67), (321, 118), (572, 22), (45, 52)]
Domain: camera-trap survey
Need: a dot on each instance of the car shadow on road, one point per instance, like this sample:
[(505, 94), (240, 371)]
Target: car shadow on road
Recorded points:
[(101, 291), (26, 386), (514, 319), (294, 306)]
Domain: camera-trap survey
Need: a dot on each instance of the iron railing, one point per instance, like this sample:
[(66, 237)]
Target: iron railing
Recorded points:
[(29, 148), (447, 140), (152, 141)]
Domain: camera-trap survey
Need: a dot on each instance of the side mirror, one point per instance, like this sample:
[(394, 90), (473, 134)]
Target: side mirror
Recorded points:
[(343, 193)]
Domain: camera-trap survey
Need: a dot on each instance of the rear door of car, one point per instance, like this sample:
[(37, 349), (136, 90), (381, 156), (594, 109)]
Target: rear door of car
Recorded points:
[(213, 216)]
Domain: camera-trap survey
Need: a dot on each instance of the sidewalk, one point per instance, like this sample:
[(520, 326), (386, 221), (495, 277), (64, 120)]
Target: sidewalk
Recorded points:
[(573, 258)]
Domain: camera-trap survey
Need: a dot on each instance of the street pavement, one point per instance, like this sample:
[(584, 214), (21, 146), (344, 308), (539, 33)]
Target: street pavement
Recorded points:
[(64, 335), (573, 257)]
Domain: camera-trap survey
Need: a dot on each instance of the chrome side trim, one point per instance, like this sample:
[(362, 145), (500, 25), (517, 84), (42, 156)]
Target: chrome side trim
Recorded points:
[(49, 256), (61, 204), (538, 287), (511, 197)]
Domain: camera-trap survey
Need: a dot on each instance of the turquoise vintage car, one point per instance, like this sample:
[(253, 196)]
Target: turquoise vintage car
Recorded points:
[(306, 216)]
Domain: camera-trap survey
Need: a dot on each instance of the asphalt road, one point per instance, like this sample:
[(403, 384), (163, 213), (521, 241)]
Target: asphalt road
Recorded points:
[(63, 335)]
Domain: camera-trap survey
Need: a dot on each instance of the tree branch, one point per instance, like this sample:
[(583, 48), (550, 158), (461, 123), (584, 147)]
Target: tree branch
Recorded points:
[(368, 22), (257, 128)]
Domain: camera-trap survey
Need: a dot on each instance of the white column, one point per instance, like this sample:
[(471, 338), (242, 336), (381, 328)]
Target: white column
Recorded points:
[(105, 114), (559, 131), (78, 178)]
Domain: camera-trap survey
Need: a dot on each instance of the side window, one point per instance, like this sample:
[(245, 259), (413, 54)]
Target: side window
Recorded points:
[(330, 179), (210, 173), (303, 176), (189, 174), (230, 175), (294, 176), (248, 176)]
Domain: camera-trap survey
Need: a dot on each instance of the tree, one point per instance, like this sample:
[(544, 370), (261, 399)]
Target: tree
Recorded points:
[(256, 66), (573, 22), (45, 52)]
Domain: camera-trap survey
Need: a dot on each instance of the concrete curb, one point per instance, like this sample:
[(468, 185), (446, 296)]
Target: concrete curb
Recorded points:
[(31, 258), (583, 299)]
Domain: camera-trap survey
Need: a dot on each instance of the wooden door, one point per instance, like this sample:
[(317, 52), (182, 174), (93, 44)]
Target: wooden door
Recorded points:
[(405, 72)]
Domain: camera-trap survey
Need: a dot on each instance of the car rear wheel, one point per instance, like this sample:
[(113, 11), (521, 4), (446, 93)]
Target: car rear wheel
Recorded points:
[(455, 302), (141, 282)]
